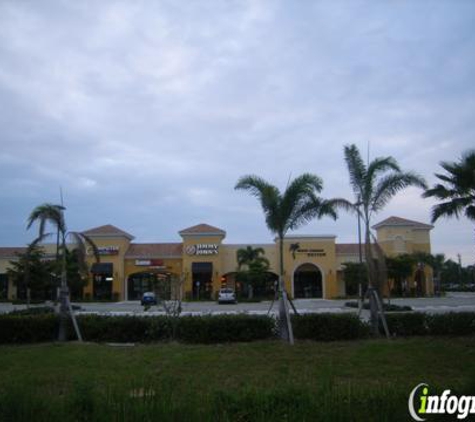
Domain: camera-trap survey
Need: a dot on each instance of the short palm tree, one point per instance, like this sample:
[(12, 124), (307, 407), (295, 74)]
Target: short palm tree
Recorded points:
[(285, 211), (457, 190), (54, 214), (374, 185), (248, 255), (256, 266)]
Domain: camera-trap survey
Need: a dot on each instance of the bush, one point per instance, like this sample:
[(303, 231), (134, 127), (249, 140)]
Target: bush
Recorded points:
[(328, 327), (18, 328), (452, 324), (28, 328), (407, 324), (224, 328)]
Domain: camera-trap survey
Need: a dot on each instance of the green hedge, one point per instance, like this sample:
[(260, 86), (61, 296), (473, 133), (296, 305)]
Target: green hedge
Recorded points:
[(28, 328), (196, 329), (407, 324), (16, 328), (452, 324), (328, 327), (224, 328)]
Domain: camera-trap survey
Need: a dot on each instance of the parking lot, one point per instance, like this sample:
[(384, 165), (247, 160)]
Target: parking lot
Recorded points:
[(452, 302)]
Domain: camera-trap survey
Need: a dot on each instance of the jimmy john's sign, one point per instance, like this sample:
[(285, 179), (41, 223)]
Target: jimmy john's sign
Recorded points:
[(202, 249)]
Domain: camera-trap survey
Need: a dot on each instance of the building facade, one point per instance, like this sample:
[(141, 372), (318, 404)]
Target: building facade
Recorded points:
[(313, 264)]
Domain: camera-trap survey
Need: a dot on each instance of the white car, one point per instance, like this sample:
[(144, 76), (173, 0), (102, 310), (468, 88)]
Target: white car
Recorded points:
[(226, 295)]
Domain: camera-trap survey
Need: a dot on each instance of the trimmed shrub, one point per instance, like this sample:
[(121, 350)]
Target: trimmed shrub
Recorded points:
[(122, 329), (224, 328), (328, 327), (28, 328), (407, 324), (451, 324)]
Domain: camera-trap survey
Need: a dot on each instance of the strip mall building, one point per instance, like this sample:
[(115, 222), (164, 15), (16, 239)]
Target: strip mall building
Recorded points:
[(312, 263)]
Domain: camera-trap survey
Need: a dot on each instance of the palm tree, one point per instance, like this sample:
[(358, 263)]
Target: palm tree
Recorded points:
[(374, 184), (54, 214), (246, 256), (256, 267), (457, 190), (286, 211)]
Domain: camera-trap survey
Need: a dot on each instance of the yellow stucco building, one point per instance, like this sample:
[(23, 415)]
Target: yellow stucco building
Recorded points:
[(205, 263)]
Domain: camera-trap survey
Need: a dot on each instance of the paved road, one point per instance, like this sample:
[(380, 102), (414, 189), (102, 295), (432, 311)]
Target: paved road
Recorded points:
[(453, 302)]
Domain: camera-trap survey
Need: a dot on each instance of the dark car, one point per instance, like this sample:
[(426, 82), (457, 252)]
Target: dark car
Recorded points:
[(148, 299)]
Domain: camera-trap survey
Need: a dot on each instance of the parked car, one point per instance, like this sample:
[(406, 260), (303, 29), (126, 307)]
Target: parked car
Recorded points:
[(148, 299), (226, 295)]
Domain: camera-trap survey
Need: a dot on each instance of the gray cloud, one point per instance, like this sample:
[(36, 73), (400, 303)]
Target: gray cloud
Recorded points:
[(146, 113)]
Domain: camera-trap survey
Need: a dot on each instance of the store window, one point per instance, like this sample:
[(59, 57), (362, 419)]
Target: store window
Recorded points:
[(102, 275), (202, 276)]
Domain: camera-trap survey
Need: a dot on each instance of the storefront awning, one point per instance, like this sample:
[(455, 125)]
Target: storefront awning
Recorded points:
[(102, 268)]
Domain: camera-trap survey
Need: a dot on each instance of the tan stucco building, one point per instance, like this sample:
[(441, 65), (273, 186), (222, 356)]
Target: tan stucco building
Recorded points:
[(205, 263)]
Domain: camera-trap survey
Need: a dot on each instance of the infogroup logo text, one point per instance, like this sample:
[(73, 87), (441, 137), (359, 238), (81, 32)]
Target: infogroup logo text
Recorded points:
[(426, 404)]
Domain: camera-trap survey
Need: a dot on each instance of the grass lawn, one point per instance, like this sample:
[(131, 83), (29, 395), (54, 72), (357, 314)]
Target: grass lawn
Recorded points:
[(359, 380)]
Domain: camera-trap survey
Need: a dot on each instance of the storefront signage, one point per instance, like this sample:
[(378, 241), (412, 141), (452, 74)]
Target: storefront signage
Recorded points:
[(108, 250), (149, 262), (202, 249), (313, 252)]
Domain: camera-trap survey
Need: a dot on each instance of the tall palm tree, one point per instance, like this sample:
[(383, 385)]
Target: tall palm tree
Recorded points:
[(54, 214), (457, 190), (374, 185), (285, 211)]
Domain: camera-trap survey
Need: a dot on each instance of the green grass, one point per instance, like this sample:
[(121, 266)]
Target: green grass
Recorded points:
[(360, 380)]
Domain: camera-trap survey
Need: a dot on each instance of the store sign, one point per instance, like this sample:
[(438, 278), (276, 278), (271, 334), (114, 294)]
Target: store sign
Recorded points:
[(149, 263), (108, 250), (104, 250), (202, 249), (142, 262), (312, 252)]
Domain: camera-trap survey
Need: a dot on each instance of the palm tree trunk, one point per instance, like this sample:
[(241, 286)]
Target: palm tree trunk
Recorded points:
[(285, 324), (372, 280), (63, 294)]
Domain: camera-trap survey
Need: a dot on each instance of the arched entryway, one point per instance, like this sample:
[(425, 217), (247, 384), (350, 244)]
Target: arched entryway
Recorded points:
[(148, 281), (308, 282)]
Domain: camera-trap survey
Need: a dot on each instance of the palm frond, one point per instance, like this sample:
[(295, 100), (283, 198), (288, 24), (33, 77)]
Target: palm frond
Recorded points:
[(344, 204), (268, 195), (377, 167), (47, 213), (356, 168), (452, 208), (391, 184)]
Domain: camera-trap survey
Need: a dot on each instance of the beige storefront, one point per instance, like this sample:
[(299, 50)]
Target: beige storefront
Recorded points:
[(312, 263)]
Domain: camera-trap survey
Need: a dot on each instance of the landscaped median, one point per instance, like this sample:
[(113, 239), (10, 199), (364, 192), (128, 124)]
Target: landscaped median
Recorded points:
[(226, 328)]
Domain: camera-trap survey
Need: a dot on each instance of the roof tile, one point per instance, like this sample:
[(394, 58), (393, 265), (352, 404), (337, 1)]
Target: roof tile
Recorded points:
[(398, 221), (154, 250), (106, 230), (202, 229)]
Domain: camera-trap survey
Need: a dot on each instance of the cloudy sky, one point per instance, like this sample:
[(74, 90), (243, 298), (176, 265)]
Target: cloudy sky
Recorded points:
[(147, 112)]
